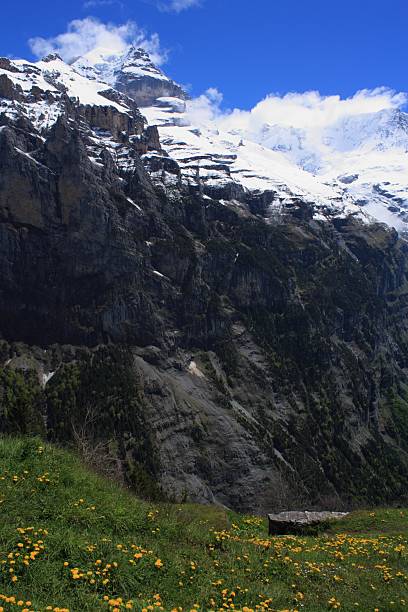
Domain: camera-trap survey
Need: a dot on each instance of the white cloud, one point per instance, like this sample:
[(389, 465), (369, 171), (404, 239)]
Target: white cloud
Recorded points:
[(308, 111), (85, 35), (304, 126), (205, 108), (176, 6), (312, 110)]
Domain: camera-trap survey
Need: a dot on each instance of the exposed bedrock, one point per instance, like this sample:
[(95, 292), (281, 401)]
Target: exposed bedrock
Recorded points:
[(220, 357)]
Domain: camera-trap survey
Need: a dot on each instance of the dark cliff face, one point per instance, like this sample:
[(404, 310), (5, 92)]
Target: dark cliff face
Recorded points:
[(145, 89), (259, 365), (139, 79)]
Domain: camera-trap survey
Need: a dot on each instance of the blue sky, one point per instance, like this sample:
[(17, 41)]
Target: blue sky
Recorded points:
[(245, 49)]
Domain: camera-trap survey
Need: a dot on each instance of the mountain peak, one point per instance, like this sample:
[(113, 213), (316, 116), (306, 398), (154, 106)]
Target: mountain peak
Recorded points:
[(140, 59), (131, 72), (107, 61), (140, 51), (52, 57)]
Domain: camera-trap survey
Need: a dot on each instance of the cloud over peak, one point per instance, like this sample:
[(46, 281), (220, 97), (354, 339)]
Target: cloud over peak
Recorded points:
[(305, 126), (307, 110), (85, 35)]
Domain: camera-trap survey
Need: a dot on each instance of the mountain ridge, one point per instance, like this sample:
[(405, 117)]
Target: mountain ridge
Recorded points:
[(281, 159)]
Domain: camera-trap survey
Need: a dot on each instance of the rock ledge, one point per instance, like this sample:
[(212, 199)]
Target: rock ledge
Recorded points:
[(298, 522)]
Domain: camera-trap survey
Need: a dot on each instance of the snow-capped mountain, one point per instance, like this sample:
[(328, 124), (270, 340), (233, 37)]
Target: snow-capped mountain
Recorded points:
[(364, 156), (132, 73), (356, 165), (43, 91)]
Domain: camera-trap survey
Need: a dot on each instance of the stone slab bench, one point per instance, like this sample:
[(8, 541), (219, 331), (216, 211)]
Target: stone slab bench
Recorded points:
[(286, 523)]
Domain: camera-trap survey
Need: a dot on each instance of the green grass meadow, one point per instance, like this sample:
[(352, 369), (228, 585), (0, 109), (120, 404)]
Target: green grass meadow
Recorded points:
[(70, 540)]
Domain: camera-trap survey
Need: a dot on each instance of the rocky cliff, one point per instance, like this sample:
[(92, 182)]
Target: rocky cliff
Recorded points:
[(206, 349)]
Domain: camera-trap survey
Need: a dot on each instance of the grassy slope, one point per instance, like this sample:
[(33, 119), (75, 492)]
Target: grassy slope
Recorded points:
[(74, 541)]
